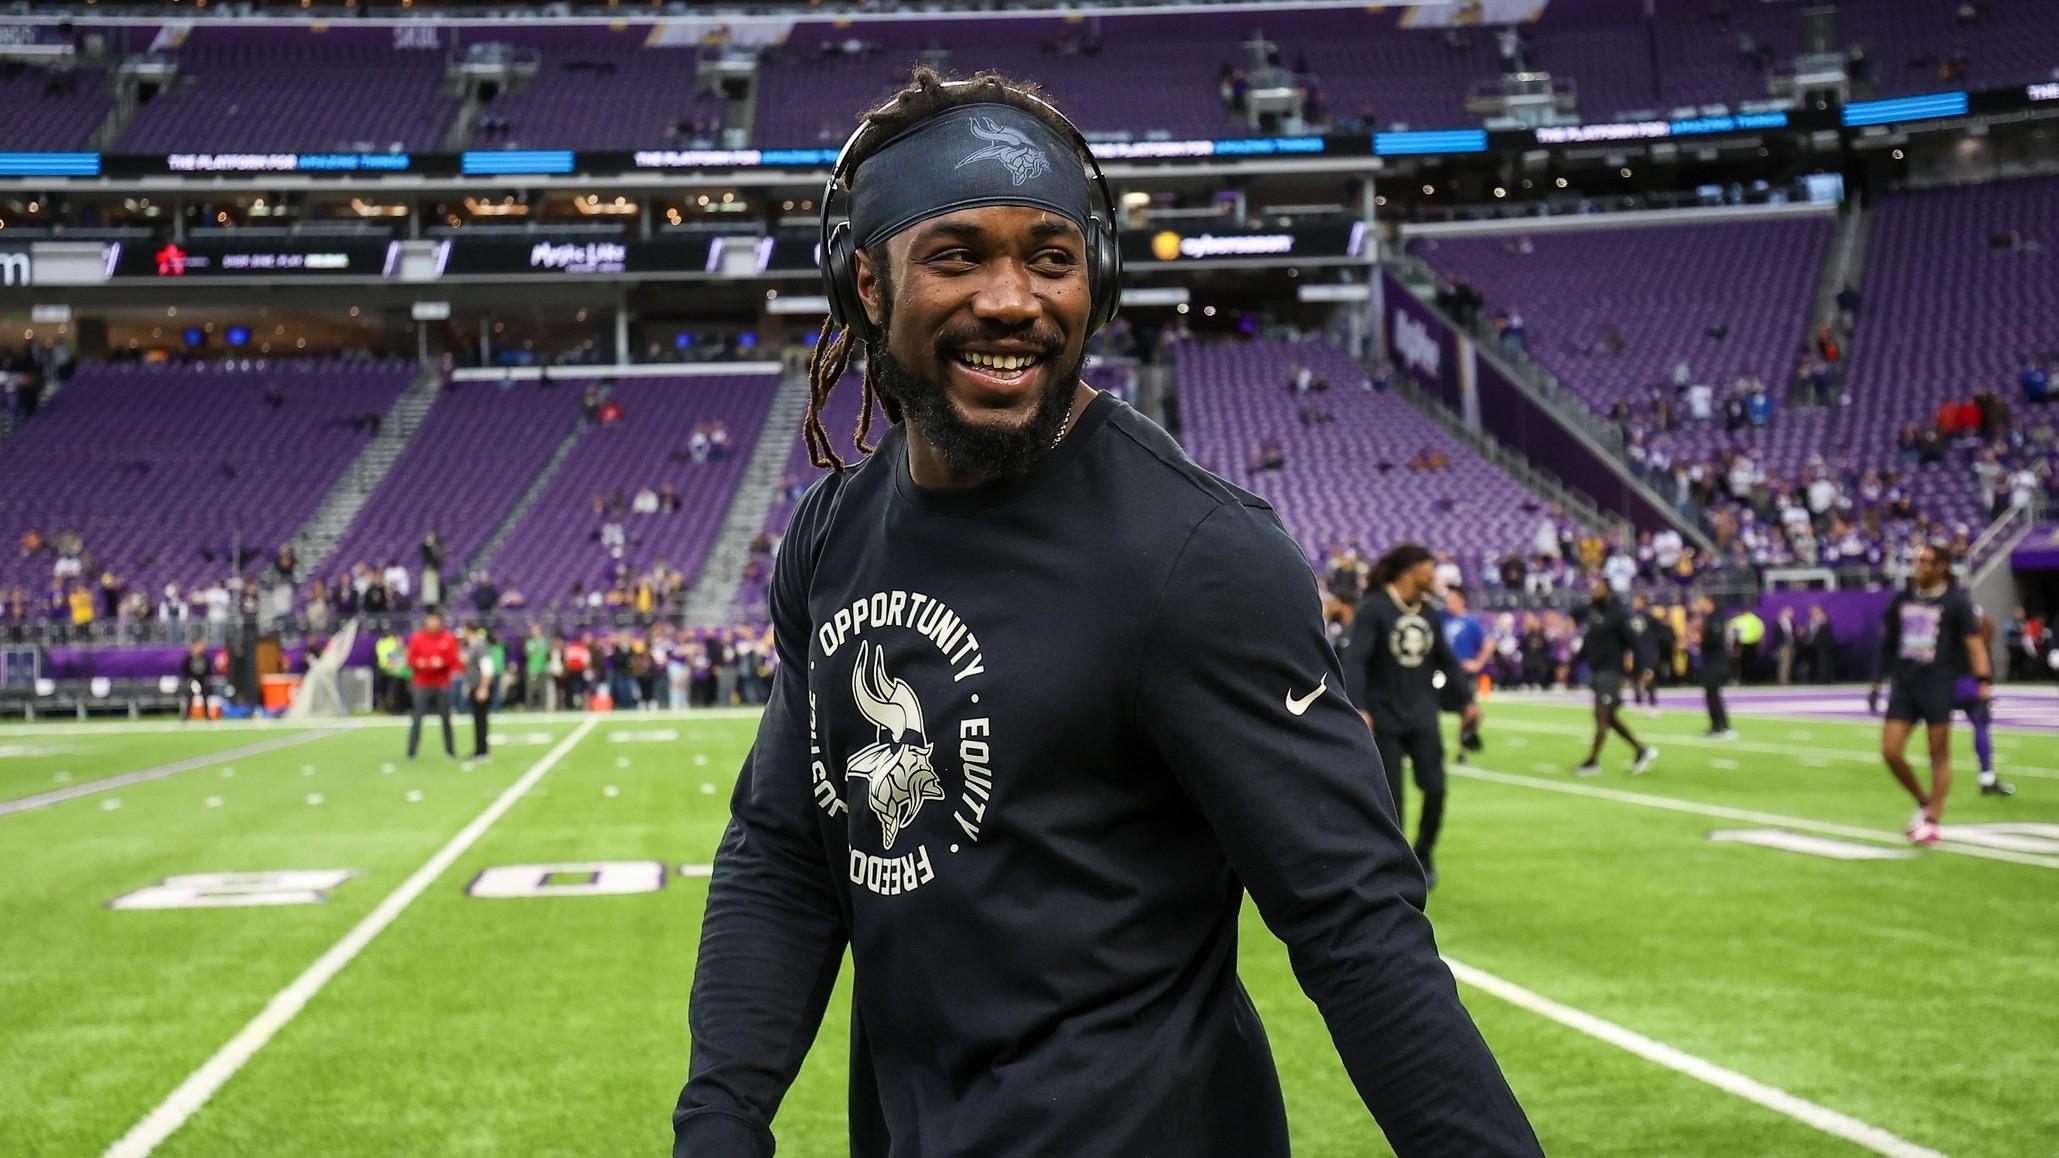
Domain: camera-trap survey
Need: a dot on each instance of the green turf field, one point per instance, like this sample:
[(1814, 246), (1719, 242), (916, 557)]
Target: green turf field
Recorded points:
[(1818, 1005)]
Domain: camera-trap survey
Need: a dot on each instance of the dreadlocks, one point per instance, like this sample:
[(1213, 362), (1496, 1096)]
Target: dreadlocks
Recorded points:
[(925, 97)]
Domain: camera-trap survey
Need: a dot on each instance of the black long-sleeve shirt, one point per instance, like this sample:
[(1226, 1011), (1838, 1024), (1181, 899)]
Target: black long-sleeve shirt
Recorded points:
[(1609, 637), (1029, 745), (1392, 661)]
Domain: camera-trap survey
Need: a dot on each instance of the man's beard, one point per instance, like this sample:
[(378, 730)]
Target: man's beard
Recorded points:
[(977, 449)]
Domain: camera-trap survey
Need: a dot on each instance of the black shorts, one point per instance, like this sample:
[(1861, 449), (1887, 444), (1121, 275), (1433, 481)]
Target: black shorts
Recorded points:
[(1928, 702), (1608, 688)]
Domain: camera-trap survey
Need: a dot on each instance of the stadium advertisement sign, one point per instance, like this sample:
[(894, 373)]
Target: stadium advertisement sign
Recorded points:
[(576, 256), (17, 269), (258, 164), (1421, 345), (1142, 248), (266, 257)]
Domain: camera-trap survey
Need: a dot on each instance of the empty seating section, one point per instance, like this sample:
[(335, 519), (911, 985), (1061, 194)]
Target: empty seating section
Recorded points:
[(558, 543), (1663, 288), (473, 458), (1345, 481), (597, 88), (43, 112), (297, 88), (159, 468)]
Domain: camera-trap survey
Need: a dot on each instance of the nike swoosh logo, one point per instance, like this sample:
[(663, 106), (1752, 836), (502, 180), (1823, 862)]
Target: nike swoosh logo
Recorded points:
[(1301, 705)]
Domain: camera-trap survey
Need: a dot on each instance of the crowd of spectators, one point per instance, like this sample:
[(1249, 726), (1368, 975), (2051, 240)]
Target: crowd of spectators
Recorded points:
[(562, 665)]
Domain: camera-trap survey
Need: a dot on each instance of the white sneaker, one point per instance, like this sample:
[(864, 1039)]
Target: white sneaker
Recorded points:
[(1587, 770), (1725, 734), (1650, 753)]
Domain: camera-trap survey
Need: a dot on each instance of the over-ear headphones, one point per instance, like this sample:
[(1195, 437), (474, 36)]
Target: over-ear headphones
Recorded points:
[(837, 251)]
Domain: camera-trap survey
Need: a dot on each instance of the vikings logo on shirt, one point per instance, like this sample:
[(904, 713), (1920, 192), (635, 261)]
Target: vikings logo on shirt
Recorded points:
[(898, 767), (1410, 641), (897, 745), (1009, 147)]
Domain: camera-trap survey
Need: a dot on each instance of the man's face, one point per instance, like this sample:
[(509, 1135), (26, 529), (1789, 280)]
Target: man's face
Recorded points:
[(433, 624), (1423, 574), (1929, 569), (1454, 603), (1598, 591), (1006, 282)]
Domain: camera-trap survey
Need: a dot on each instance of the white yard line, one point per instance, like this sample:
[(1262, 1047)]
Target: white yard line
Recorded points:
[(2006, 767), (204, 1082), (1779, 1101), (225, 727), (60, 795), (1750, 816)]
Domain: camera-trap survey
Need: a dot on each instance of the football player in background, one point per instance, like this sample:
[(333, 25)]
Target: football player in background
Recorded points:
[(1468, 639), (1609, 649), (1644, 675), (1717, 665), (1966, 698), (1398, 650), (1931, 638)]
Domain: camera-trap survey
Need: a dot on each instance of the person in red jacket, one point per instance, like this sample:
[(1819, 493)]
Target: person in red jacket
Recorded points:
[(433, 655)]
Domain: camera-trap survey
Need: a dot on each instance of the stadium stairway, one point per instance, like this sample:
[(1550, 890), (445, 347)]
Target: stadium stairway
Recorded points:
[(714, 589), (529, 497), (316, 539)]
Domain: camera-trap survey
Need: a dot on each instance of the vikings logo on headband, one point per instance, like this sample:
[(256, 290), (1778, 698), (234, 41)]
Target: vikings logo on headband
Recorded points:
[(1009, 147)]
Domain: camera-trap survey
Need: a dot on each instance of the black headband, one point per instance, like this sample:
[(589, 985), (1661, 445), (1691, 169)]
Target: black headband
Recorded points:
[(968, 157)]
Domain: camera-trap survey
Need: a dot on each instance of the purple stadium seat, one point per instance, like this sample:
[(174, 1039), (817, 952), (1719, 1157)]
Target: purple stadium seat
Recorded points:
[(289, 88), (145, 464), (557, 542), (1346, 481), (33, 120), (480, 448)]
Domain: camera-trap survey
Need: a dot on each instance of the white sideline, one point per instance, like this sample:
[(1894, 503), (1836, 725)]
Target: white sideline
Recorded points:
[(501, 719), (1779, 1101), (204, 1082), (1748, 815), (123, 780)]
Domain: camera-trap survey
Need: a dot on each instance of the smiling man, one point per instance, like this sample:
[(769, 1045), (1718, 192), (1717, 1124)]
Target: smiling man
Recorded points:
[(1051, 700)]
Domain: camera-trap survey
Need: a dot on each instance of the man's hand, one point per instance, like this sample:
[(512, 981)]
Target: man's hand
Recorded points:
[(1470, 716), (1367, 717), (480, 693), (1987, 691), (1873, 700)]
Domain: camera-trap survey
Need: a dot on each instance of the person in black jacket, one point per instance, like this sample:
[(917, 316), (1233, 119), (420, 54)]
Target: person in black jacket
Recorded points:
[(1396, 669), (1716, 669), (1029, 811), (194, 673), (1609, 647)]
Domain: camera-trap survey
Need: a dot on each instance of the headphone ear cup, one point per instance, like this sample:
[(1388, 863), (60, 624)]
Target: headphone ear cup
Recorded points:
[(1106, 270), (840, 283)]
